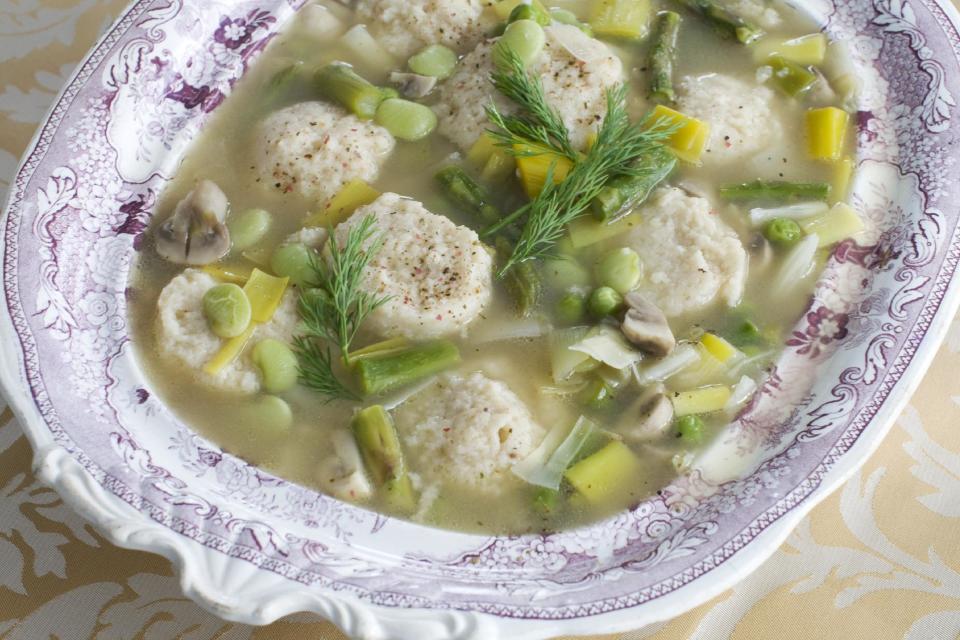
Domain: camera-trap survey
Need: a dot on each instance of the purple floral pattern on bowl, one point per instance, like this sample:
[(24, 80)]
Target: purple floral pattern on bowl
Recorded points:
[(253, 547)]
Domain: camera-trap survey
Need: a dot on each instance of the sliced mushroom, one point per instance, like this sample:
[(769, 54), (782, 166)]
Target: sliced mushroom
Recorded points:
[(413, 85), (649, 417), (196, 233), (645, 326), (341, 474)]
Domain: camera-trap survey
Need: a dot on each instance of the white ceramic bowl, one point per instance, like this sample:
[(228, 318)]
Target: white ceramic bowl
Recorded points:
[(251, 547)]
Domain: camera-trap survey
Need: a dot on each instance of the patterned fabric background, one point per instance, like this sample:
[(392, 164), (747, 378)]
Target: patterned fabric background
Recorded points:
[(879, 559)]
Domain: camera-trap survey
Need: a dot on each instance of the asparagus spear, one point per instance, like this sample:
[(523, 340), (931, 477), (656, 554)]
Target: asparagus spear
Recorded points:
[(464, 191), (725, 20), (623, 193), (663, 55), (522, 281), (380, 373), (338, 82), (380, 448), (792, 78), (776, 191)]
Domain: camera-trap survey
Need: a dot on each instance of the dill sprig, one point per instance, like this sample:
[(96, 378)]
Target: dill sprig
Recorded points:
[(537, 123), (618, 149), (334, 309)]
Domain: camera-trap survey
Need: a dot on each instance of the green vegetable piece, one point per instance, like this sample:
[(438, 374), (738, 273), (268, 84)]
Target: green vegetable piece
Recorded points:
[(690, 429), (294, 261), (277, 364), (597, 394), (382, 456), (435, 60), (775, 191), (546, 501), (791, 78), (624, 193), (525, 38), (340, 83), (571, 307), (389, 92), (247, 228), (269, 413), (523, 282), (564, 272), (569, 17), (463, 191), (382, 373), (746, 333), (406, 120), (531, 11), (605, 301), (604, 475), (663, 56), (783, 232), (726, 21), (227, 310), (620, 270)]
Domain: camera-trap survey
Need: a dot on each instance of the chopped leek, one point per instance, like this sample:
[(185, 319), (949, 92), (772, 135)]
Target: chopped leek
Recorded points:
[(607, 345), (702, 400), (706, 370), (265, 292), (564, 361), (796, 265), (628, 19), (224, 273), (228, 352), (587, 230), (495, 163), (826, 133), (367, 51), (545, 467), (606, 473), (534, 164), (808, 49), (761, 216), (839, 223), (840, 181), (341, 206), (719, 348), (690, 139), (683, 356), (742, 392)]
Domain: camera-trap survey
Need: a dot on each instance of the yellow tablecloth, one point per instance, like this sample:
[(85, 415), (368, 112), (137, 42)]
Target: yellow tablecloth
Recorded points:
[(879, 559)]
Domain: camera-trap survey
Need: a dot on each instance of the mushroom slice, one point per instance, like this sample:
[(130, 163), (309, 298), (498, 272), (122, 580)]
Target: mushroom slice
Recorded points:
[(196, 234), (645, 326), (341, 474), (649, 417), (413, 85)]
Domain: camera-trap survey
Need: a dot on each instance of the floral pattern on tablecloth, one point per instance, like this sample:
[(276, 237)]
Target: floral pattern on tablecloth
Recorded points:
[(879, 559)]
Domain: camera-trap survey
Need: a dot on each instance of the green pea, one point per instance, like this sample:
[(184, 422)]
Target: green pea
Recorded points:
[(247, 228), (690, 429), (406, 120), (532, 11), (783, 232), (619, 270), (571, 307), (277, 364), (525, 38), (227, 310), (605, 301), (436, 60), (294, 261), (270, 414)]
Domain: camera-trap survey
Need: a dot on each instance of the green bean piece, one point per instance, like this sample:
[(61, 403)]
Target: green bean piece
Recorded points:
[(247, 228), (382, 456), (381, 373), (406, 120), (623, 193), (522, 281), (564, 16), (227, 310), (340, 83), (463, 191), (294, 261), (605, 301), (571, 308), (435, 60), (270, 413), (783, 232), (277, 364), (532, 11), (620, 270), (775, 191), (791, 78), (690, 429), (547, 502), (663, 56), (524, 37), (726, 21)]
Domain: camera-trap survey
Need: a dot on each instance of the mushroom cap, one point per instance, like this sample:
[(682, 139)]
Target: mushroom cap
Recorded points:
[(195, 234), (645, 326), (413, 85)]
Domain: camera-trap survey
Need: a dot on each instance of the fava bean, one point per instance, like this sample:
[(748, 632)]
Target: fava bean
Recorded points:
[(619, 270), (277, 364), (295, 262), (525, 38), (271, 414), (247, 228), (227, 310)]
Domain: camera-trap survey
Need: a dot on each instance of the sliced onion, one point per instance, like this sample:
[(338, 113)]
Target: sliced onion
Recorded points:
[(680, 358), (576, 42), (545, 466), (742, 393), (607, 345), (515, 330), (796, 266)]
